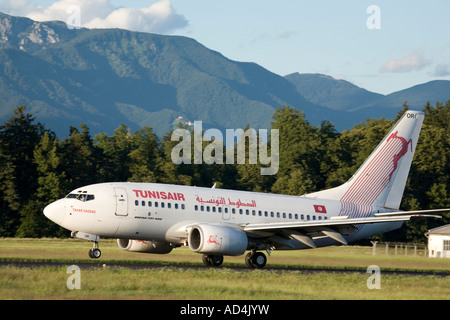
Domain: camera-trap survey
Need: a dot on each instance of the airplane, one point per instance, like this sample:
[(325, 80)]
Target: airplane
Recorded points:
[(156, 218)]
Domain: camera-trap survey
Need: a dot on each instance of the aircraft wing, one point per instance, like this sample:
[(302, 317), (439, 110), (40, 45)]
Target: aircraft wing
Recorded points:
[(334, 227)]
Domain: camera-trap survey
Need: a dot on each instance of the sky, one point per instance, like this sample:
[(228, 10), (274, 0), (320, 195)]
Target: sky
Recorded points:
[(382, 46)]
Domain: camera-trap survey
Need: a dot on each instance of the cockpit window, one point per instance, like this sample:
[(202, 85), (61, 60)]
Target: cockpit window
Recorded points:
[(81, 196)]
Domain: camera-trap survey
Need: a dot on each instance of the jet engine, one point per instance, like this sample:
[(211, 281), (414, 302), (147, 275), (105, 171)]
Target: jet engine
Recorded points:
[(218, 240), (144, 246)]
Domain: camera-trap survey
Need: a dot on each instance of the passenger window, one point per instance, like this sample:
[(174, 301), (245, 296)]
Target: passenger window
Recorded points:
[(182, 206)]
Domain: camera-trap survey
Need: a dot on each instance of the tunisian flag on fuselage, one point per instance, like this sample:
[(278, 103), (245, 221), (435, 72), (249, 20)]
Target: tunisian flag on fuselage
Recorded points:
[(320, 209)]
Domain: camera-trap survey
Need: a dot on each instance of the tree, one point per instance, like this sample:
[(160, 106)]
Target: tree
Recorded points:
[(144, 156), (80, 158), (20, 134), (18, 137), (50, 187), (170, 172), (8, 194), (302, 150), (115, 161)]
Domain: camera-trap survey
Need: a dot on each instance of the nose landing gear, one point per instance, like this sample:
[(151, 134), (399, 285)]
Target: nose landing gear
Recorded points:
[(95, 252)]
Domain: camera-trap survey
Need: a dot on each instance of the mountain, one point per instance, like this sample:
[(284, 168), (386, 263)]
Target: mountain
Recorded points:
[(106, 77), (342, 95), (330, 92), (416, 96)]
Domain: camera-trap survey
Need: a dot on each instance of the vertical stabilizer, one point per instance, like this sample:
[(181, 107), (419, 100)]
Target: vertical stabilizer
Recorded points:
[(381, 179)]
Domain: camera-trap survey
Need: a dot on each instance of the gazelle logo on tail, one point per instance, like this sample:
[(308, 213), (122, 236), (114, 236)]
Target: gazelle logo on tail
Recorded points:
[(402, 152)]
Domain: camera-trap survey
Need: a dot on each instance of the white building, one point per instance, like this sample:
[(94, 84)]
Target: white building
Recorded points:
[(439, 242)]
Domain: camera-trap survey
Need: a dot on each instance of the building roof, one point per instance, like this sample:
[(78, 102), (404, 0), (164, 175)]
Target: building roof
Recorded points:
[(442, 230)]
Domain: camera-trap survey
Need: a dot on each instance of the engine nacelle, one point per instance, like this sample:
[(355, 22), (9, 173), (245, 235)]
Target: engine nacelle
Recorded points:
[(144, 246), (212, 239)]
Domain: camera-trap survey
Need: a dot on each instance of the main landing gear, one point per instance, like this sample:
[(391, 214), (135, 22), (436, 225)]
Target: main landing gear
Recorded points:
[(254, 259), (212, 260)]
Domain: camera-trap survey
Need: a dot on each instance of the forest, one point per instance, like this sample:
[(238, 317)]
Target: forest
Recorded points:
[(37, 167)]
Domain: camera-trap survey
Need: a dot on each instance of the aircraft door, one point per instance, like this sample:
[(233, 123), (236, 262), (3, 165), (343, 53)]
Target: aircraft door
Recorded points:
[(121, 202)]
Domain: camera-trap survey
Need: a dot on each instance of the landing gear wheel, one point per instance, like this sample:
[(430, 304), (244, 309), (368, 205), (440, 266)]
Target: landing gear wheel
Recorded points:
[(248, 260), (95, 253), (259, 260), (255, 260), (212, 260)]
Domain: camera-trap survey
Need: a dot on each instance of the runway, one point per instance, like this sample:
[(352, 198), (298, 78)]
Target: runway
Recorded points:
[(143, 266)]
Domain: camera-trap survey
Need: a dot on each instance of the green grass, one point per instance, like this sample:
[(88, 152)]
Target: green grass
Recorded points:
[(170, 283)]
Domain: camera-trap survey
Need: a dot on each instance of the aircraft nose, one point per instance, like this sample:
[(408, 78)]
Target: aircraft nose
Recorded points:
[(56, 211)]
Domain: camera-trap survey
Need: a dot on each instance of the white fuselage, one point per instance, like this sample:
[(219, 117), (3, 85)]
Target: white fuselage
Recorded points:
[(161, 212)]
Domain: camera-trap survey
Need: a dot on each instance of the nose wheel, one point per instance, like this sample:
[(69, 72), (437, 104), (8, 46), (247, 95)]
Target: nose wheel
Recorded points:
[(95, 252)]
